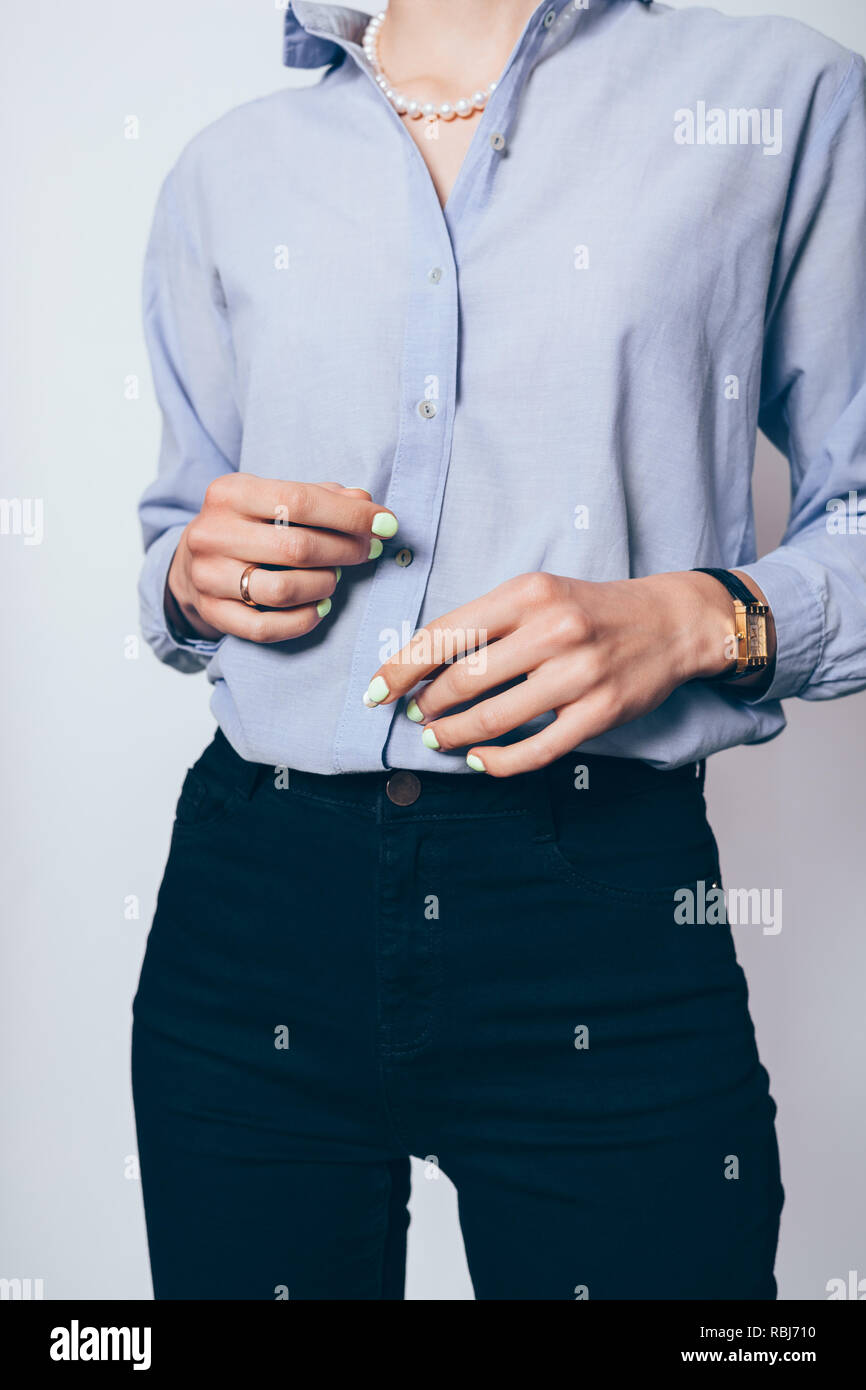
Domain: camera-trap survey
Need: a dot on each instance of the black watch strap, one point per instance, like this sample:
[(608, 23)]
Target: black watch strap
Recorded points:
[(733, 585)]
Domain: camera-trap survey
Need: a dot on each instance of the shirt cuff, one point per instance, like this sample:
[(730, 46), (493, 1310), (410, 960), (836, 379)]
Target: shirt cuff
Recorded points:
[(183, 653), (798, 614)]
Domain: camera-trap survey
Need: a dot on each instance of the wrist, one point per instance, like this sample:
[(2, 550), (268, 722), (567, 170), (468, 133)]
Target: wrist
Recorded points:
[(697, 618), (715, 650), (751, 632)]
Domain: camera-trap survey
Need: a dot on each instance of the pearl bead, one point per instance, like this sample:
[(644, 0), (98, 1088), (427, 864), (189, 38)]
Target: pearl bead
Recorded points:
[(446, 111), (399, 103), (428, 110), (491, 87), (478, 100), (462, 107), (413, 109)]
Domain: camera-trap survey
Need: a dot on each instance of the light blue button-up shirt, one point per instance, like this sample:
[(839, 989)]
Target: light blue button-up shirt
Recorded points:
[(656, 243)]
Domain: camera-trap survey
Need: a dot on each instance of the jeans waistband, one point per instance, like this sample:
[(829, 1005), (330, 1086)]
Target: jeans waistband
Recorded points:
[(454, 796)]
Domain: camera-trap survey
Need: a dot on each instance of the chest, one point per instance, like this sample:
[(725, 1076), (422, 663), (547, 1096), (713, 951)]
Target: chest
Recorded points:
[(594, 242)]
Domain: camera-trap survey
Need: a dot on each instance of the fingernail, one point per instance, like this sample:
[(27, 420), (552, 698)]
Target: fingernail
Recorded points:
[(377, 691), (384, 524), (339, 574), (376, 548), (413, 712), (323, 608), (475, 762), (429, 739)]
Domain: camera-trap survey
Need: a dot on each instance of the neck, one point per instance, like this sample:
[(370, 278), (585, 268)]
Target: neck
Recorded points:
[(447, 47)]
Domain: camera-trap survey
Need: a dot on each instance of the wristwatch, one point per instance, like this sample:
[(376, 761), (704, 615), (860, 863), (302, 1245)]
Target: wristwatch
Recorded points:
[(750, 626)]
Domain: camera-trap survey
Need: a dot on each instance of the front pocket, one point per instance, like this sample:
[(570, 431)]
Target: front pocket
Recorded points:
[(639, 848), (563, 869)]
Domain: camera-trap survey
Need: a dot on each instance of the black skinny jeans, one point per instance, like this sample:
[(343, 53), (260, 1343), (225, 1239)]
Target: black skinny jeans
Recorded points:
[(490, 977)]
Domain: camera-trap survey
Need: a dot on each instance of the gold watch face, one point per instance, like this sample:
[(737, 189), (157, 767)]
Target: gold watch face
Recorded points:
[(756, 636)]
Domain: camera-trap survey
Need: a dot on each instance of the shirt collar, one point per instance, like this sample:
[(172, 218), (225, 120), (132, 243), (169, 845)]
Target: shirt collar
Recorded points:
[(317, 35), (308, 27)]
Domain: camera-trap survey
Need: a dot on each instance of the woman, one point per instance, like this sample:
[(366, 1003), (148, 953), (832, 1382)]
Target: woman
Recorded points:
[(525, 280)]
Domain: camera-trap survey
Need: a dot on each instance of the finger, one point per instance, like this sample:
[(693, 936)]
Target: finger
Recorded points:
[(352, 491), (220, 577), (489, 719), (265, 625), (291, 547), (465, 629), (468, 678), (568, 731), (301, 504)]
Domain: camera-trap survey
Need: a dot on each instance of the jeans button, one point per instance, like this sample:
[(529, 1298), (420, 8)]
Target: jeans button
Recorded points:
[(403, 788)]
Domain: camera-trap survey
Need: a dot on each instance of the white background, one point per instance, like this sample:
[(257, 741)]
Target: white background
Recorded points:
[(95, 744)]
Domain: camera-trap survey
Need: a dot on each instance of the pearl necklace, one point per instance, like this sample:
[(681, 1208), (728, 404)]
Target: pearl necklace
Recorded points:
[(446, 111)]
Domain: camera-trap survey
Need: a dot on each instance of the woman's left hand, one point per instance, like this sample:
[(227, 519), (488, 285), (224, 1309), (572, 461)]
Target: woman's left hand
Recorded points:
[(596, 654)]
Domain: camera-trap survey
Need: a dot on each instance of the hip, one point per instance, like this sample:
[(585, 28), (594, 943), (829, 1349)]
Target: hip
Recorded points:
[(482, 928)]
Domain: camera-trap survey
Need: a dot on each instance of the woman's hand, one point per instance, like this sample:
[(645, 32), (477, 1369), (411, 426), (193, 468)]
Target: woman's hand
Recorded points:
[(299, 533), (598, 655)]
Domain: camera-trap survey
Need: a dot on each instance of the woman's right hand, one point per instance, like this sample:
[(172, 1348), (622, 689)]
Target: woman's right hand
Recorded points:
[(298, 532)]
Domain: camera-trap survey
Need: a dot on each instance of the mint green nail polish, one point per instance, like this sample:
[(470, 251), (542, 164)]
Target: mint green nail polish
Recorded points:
[(384, 524), (376, 548), (413, 712), (339, 574), (323, 608), (377, 690), (429, 739), (475, 762)]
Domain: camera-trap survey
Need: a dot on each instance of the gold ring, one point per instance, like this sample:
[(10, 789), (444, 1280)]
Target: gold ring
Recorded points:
[(245, 586)]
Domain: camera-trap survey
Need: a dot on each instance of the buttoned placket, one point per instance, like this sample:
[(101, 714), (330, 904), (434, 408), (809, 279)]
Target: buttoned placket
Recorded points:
[(428, 385)]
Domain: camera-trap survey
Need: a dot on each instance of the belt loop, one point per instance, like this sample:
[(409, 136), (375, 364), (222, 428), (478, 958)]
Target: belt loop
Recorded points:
[(254, 779), (247, 776)]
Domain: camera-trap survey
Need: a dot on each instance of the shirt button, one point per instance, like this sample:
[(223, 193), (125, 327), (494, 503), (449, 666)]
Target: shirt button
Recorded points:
[(404, 557), (497, 141), (435, 275), (426, 409), (403, 788), (549, 18)]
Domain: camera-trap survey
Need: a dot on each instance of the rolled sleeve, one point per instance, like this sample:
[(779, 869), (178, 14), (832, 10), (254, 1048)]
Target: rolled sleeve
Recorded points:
[(798, 613)]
